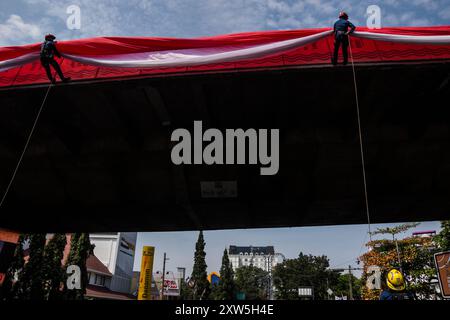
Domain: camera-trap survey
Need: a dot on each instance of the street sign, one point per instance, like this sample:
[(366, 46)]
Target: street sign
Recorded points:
[(171, 287), (145, 280), (329, 291), (442, 261)]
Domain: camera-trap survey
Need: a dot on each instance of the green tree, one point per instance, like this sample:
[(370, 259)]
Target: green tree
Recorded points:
[(226, 288), (53, 271), (31, 278), (413, 255), (394, 231), (341, 287), (12, 288), (199, 276), (252, 281), (80, 249), (186, 292), (306, 270), (443, 238)]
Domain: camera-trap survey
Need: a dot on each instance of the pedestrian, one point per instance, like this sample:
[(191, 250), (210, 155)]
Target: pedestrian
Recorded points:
[(341, 32)]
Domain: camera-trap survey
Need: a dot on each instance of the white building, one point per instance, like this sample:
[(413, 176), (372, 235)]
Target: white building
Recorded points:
[(262, 257), (116, 251)]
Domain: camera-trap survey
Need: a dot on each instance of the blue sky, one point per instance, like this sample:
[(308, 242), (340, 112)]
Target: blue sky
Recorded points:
[(341, 244), (25, 21)]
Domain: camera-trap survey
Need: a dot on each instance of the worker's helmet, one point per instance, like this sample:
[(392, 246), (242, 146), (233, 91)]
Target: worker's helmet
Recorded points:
[(343, 15), (50, 37), (395, 280)]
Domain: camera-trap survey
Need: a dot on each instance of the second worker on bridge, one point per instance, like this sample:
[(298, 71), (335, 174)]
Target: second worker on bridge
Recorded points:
[(341, 32)]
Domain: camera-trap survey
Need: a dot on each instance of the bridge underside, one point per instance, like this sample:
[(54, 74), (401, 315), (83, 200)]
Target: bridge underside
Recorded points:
[(100, 156)]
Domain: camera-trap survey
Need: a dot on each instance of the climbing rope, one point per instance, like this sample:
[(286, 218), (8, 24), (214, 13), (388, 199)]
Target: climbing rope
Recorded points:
[(26, 146), (360, 141)]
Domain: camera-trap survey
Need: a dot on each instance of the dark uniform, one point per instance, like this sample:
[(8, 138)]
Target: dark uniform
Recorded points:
[(388, 295), (48, 52), (341, 38)]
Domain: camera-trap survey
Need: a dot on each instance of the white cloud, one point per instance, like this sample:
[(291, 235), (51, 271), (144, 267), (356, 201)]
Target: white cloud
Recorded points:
[(193, 18), (15, 31), (98, 18), (445, 13), (429, 5)]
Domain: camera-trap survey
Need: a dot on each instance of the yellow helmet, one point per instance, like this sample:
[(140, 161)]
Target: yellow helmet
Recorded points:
[(395, 280)]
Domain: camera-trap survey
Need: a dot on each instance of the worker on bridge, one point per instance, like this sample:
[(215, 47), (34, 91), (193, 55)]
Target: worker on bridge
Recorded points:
[(341, 32), (48, 53)]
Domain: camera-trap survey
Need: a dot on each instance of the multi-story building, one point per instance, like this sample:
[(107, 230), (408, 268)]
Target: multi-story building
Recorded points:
[(116, 251), (262, 257)]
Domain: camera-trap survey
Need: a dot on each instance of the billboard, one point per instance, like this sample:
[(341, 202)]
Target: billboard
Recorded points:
[(171, 283), (442, 260), (145, 279)]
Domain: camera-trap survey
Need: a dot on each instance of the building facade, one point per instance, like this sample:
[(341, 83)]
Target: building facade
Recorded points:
[(8, 243), (116, 251), (262, 257)]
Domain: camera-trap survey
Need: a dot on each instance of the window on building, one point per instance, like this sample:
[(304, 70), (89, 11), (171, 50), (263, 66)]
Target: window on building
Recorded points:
[(99, 280)]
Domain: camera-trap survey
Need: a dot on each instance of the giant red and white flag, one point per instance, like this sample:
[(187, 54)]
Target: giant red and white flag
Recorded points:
[(121, 56)]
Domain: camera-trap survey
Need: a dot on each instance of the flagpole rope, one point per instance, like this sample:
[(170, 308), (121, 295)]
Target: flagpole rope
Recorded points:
[(360, 141), (25, 147)]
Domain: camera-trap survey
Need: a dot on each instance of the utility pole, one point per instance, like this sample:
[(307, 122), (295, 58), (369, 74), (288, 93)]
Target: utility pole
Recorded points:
[(350, 293), (163, 276), (350, 276)]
